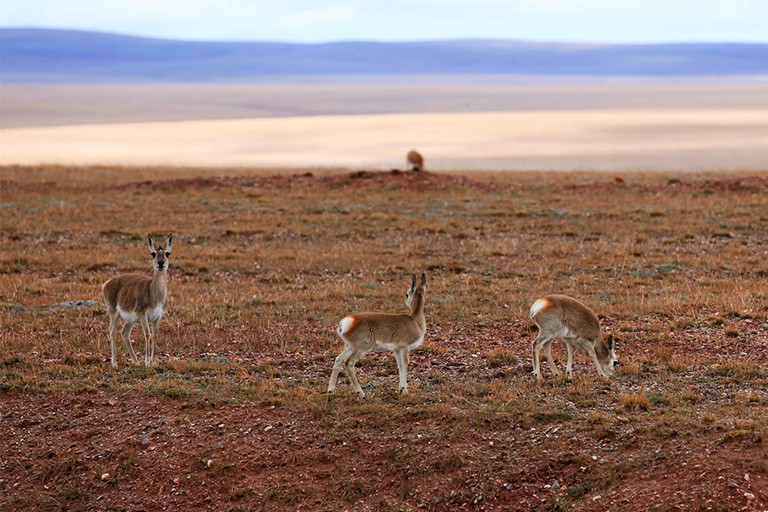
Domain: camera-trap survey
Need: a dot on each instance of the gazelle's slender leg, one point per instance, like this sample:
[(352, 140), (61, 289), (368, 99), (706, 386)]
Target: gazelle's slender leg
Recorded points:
[(341, 360), (147, 338), (406, 360), (126, 332), (536, 347), (550, 361), (153, 325), (351, 373), (401, 356), (569, 368), (113, 315)]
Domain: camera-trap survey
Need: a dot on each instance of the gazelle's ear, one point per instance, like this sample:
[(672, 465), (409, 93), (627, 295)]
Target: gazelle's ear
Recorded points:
[(151, 243), (168, 243), (423, 279), (413, 281)]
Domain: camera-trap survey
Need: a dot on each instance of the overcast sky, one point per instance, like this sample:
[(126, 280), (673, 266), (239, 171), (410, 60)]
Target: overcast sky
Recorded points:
[(599, 21)]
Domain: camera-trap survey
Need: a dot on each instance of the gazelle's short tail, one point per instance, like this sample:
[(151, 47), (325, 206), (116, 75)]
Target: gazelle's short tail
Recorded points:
[(538, 306), (347, 323)]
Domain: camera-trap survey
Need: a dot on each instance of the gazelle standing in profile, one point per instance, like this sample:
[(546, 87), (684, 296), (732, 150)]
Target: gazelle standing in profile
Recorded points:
[(137, 298), (559, 316), (362, 332), (415, 161)]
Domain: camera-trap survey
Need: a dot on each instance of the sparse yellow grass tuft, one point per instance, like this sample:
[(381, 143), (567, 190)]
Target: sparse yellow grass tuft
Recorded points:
[(635, 402)]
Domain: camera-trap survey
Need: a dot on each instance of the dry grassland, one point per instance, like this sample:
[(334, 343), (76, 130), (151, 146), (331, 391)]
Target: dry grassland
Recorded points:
[(234, 416)]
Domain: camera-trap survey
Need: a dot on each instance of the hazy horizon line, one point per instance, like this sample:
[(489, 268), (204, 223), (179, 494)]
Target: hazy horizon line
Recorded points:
[(383, 41)]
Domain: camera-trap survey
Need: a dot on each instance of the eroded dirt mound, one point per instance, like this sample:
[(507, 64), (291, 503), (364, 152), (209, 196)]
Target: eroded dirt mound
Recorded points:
[(395, 179)]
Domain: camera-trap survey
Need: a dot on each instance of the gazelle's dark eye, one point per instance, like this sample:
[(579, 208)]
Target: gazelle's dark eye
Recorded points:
[(154, 254), (167, 255)]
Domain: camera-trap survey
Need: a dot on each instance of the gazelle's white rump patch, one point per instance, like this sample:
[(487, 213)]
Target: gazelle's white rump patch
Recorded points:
[(346, 324), (538, 306)]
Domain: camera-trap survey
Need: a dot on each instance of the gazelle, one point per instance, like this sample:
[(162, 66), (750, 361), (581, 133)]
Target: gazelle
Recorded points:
[(558, 316), (362, 332), (138, 298), (415, 161)]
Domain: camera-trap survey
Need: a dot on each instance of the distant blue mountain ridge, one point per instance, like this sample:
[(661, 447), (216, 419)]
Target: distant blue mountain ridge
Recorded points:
[(45, 55)]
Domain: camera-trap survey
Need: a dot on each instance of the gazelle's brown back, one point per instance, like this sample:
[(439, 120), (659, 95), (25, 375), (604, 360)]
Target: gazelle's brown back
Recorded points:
[(131, 292), (398, 330), (553, 311)]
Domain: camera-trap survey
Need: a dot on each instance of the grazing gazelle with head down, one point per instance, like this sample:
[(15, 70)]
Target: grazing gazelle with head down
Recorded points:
[(558, 316), (137, 298), (362, 332)]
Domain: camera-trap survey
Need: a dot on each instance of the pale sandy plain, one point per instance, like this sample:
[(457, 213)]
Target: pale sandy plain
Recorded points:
[(606, 126)]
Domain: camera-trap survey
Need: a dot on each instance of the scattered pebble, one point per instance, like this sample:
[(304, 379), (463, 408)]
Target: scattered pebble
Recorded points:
[(105, 476), (749, 496), (76, 304), (209, 463)]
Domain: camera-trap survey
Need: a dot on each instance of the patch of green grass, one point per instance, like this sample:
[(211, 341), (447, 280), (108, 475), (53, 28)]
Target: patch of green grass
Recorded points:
[(579, 490)]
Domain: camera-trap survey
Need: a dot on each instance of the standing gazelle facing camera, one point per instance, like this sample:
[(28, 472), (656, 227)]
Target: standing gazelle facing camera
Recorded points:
[(558, 316), (137, 298), (362, 332)]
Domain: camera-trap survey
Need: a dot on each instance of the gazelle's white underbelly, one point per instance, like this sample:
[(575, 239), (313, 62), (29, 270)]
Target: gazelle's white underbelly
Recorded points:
[(153, 315), (394, 346)]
